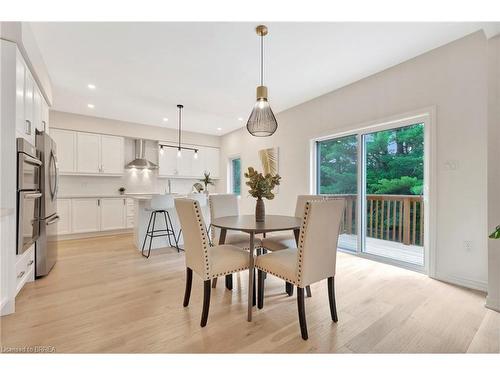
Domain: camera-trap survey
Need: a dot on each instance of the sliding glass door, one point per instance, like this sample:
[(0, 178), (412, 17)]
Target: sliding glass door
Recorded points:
[(381, 176), (394, 181), (337, 161)]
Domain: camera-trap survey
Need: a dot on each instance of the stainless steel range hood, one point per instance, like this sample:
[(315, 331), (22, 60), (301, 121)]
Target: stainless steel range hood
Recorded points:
[(140, 161)]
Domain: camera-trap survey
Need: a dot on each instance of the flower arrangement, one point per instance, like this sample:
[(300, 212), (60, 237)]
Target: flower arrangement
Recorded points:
[(261, 187)]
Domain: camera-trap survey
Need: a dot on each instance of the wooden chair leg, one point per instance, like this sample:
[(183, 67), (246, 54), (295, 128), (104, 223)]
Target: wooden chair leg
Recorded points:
[(302, 313), (206, 302), (189, 281), (214, 283), (308, 291), (229, 281), (331, 297), (289, 289), (264, 251), (260, 292)]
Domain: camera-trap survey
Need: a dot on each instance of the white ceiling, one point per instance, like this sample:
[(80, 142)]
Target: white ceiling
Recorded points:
[(142, 70)]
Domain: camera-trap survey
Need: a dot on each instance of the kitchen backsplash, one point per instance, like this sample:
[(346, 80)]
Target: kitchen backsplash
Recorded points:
[(132, 181)]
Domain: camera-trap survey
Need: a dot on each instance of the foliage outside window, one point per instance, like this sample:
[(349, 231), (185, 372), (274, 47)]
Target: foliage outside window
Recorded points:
[(394, 162), (236, 176)]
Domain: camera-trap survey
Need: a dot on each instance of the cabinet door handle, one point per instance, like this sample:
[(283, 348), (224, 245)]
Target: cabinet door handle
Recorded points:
[(20, 275), (98, 202), (28, 127), (30, 263), (44, 126)]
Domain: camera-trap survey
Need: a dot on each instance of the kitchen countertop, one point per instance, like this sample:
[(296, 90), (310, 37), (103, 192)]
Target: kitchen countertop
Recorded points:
[(126, 195)]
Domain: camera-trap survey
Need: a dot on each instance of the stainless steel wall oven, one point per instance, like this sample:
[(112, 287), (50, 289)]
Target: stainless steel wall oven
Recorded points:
[(28, 195)]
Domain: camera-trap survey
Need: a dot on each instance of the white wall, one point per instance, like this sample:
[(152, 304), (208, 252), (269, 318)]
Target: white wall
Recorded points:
[(493, 299), (453, 79), (133, 181)]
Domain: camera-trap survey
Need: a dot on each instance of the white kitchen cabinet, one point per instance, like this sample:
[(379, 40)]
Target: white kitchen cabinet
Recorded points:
[(113, 211), (129, 221), (187, 166), (88, 149), (185, 163), (212, 161), (85, 215), (198, 164), (112, 154), (64, 212), (20, 115), (167, 160), (31, 108), (45, 115), (66, 149), (25, 268), (37, 109)]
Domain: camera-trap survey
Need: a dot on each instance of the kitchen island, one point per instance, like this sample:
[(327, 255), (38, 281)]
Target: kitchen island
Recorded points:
[(143, 213)]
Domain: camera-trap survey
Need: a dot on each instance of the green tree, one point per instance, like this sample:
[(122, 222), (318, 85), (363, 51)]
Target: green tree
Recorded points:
[(395, 162)]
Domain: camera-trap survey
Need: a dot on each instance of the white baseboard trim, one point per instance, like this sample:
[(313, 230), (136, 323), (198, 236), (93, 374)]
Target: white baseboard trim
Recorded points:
[(76, 236), (8, 307), (462, 281), (492, 304)]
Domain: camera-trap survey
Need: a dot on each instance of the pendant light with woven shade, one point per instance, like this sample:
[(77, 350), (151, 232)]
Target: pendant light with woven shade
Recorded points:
[(262, 122)]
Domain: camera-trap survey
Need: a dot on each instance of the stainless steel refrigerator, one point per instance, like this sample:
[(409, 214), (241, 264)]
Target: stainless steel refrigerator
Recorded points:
[(46, 245)]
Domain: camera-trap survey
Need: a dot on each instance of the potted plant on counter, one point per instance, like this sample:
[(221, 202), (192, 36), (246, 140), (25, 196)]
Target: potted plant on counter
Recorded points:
[(261, 187), (207, 181)]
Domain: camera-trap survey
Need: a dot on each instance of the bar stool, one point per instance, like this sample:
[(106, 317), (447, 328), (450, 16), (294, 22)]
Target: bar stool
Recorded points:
[(160, 205)]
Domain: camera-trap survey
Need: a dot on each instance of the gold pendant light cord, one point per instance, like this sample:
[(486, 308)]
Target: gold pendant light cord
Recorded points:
[(262, 60)]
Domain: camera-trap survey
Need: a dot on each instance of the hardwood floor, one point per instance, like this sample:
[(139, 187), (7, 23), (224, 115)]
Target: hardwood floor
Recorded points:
[(103, 296)]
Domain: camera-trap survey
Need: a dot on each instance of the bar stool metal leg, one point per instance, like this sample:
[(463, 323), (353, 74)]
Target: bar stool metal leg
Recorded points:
[(146, 235), (151, 235), (172, 231)]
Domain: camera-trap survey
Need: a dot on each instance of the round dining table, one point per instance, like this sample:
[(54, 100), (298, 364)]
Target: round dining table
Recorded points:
[(247, 224)]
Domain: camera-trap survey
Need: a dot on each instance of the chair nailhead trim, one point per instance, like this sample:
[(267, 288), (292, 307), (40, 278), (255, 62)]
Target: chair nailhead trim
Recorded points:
[(275, 274), (229, 272)]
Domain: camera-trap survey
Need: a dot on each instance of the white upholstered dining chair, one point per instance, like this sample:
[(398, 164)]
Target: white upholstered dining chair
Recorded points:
[(285, 240), (227, 205), (313, 260), (208, 262), (281, 241)]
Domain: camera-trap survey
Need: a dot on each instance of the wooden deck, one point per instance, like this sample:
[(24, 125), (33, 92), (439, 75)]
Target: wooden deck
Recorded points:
[(388, 249)]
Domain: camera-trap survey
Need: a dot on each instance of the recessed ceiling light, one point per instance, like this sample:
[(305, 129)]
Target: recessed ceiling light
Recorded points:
[(240, 118), (165, 119), (91, 86), (219, 129), (90, 105)]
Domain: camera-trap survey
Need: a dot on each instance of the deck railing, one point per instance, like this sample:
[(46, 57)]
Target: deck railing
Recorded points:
[(398, 218)]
